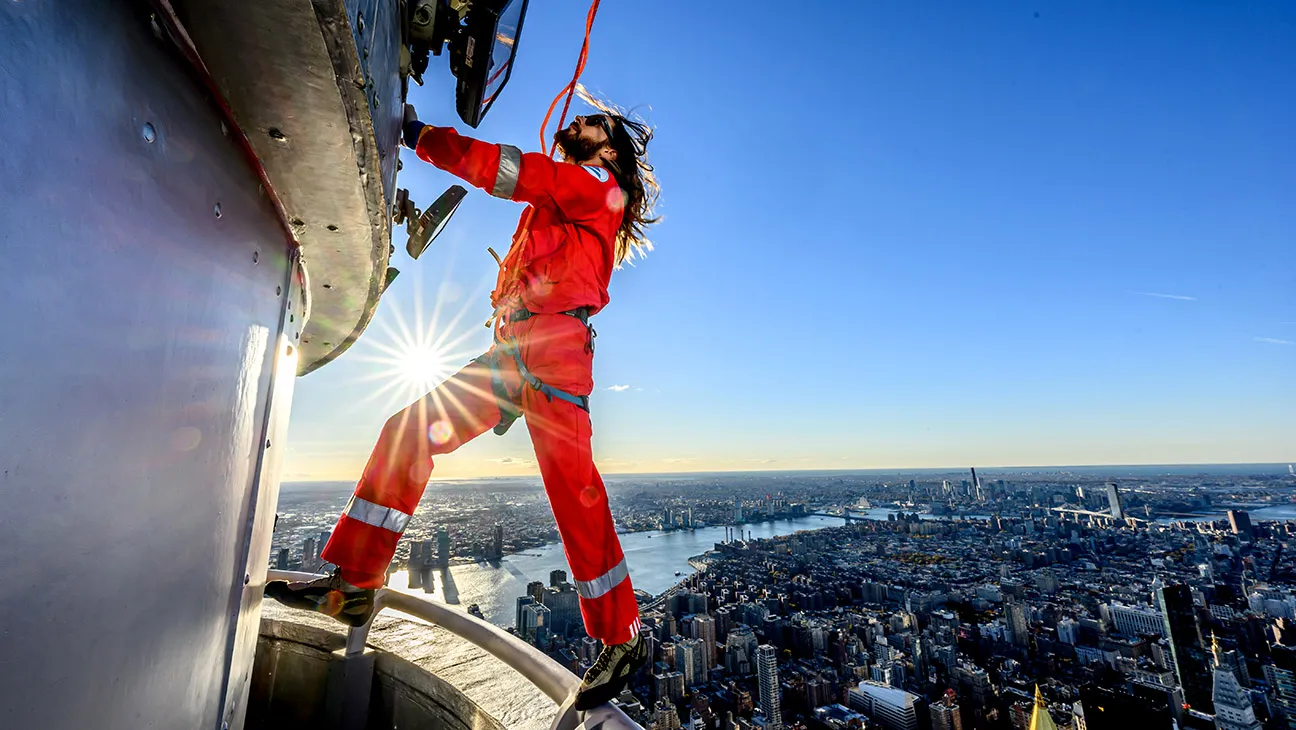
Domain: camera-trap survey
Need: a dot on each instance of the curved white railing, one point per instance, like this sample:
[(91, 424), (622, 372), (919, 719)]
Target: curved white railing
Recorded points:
[(547, 675)]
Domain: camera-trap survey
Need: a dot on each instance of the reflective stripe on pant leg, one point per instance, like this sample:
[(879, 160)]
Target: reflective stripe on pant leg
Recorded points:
[(458, 410), (561, 434), (604, 583), (388, 518)]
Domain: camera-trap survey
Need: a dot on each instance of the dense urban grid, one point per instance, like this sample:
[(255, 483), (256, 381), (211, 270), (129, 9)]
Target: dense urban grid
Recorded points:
[(1048, 599)]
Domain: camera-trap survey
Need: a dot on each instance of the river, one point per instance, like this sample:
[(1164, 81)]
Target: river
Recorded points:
[(653, 558)]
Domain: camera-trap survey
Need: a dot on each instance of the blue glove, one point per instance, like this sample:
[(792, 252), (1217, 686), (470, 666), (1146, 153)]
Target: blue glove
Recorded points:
[(411, 133)]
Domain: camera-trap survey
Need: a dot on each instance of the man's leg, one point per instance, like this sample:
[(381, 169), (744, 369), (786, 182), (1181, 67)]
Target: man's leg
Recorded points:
[(561, 434), (459, 410), (365, 538)]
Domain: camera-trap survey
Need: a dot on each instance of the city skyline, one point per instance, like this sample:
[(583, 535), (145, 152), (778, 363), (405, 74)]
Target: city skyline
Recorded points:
[(1009, 246)]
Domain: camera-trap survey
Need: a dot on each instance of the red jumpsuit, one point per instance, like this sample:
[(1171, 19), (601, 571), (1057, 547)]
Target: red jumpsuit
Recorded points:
[(561, 261)]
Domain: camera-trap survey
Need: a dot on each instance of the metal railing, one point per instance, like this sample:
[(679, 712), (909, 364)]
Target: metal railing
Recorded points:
[(547, 675)]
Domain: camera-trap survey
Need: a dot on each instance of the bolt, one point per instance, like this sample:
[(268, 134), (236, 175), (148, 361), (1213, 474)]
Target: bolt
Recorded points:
[(267, 443), (278, 290), (360, 22), (256, 255), (331, 227), (218, 210), (247, 578), (276, 135), (149, 132)]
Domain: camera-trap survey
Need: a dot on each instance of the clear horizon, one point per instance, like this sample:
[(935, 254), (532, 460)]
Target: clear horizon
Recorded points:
[(971, 234)]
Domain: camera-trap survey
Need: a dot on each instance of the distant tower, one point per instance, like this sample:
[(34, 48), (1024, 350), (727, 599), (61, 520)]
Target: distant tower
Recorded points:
[(767, 669), (498, 551), (557, 578), (1240, 521), (1233, 710), (945, 713), (443, 547), (1114, 501)]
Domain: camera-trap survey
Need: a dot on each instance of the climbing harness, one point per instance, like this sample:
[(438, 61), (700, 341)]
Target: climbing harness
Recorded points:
[(508, 347)]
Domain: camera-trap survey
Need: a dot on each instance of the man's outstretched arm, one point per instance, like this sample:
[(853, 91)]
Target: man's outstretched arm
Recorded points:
[(506, 172)]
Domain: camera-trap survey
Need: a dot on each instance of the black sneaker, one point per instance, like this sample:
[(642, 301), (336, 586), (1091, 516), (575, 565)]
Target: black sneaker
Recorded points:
[(610, 673), (329, 595)]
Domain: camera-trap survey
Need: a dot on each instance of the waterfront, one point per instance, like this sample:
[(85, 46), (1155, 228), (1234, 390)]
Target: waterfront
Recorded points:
[(654, 558)]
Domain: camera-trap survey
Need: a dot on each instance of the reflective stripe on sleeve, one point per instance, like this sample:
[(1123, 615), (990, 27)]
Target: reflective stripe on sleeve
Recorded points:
[(509, 165), (388, 518), (603, 583)]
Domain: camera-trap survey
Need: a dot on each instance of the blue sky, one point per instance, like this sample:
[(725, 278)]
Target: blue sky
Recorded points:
[(897, 235)]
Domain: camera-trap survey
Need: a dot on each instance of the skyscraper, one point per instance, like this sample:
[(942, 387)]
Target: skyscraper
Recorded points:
[(1240, 521), (1233, 710), (557, 578), (690, 662), (535, 623), (498, 548), (564, 607), (740, 646), (1186, 647), (522, 602), (443, 548), (1114, 501), (704, 629), (770, 701)]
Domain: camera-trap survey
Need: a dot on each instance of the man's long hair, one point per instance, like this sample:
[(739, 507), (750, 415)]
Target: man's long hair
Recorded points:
[(634, 175)]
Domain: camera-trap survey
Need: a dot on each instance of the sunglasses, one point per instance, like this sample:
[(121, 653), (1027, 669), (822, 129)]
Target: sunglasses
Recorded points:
[(600, 120)]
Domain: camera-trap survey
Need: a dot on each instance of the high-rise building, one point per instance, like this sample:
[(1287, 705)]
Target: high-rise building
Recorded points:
[(1282, 690), (522, 602), (1136, 620), (669, 686), (443, 548), (945, 713), (738, 515), (535, 623), (497, 550), (740, 649), (704, 629), (1068, 630), (557, 578), (770, 700), (1180, 619), (1114, 501), (664, 716), (689, 661), (281, 562), (564, 607), (1018, 624), (1233, 710), (1240, 521), (891, 708)]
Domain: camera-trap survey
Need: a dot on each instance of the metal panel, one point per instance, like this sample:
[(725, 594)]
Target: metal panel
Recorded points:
[(145, 283), (325, 124), (376, 31)]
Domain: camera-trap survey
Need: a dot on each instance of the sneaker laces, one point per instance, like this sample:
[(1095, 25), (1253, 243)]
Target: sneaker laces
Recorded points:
[(603, 660)]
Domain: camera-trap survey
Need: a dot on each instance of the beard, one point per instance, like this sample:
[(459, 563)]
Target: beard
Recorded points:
[(573, 146)]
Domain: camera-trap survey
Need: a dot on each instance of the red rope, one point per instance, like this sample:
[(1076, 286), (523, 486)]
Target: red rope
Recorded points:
[(510, 267)]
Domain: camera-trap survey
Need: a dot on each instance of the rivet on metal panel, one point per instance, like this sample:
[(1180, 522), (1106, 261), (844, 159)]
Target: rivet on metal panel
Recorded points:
[(276, 135), (218, 210), (360, 22), (148, 132), (256, 255), (290, 318), (267, 443), (331, 227), (298, 222), (278, 291), (247, 578), (328, 286)]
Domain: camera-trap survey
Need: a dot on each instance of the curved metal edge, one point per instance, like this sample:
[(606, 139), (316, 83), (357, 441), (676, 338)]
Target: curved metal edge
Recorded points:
[(548, 675)]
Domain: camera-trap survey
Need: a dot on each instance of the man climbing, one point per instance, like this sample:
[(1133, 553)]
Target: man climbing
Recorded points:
[(584, 216)]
